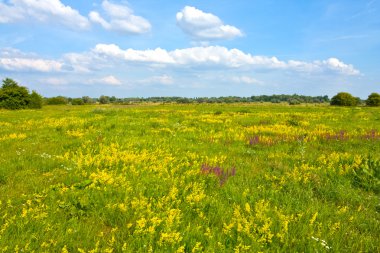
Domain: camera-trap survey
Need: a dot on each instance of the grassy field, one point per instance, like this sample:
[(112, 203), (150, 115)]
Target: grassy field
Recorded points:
[(190, 178)]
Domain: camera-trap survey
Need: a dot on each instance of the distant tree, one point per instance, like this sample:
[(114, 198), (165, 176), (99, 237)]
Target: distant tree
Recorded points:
[(359, 101), (373, 99), (104, 99), (13, 96), (36, 100), (183, 101), (77, 101), (59, 100), (344, 99), (294, 101), (113, 99), (87, 100)]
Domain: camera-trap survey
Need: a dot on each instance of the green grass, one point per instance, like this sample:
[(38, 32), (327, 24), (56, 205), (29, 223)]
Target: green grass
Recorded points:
[(133, 178)]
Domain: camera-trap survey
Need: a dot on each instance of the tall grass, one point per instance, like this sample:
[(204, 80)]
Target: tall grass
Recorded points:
[(190, 178)]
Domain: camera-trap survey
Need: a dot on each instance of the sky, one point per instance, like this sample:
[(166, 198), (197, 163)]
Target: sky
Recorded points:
[(145, 48)]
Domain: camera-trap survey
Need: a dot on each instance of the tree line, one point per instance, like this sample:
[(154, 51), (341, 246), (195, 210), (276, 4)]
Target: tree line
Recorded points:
[(291, 99), (13, 96), (341, 99)]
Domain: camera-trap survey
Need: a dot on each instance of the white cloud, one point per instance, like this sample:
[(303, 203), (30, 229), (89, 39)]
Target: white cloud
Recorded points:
[(220, 56), (211, 57), (122, 19), (157, 55), (245, 80), (27, 64), (305, 66), (329, 65), (204, 26), (54, 81), (214, 55), (10, 13), (339, 66), (46, 11), (96, 18), (81, 63), (161, 79), (108, 80), (111, 80), (14, 60)]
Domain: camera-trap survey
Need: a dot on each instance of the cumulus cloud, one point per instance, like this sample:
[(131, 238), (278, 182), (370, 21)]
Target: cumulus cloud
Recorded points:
[(221, 56), (161, 79), (189, 56), (46, 11), (54, 81), (245, 80), (121, 19), (157, 55), (25, 64), (211, 57), (204, 26), (217, 56), (80, 62), (339, 66), (15, 60), (108, 80), (214, 55), (330, 65)]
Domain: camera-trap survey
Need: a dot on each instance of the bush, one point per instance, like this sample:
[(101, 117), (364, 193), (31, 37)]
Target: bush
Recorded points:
[(104, 99), (294, 102), (36, 100), (57, 100), (77, 101), (87, 100), (13, 96), (373, 100), (344, 99)]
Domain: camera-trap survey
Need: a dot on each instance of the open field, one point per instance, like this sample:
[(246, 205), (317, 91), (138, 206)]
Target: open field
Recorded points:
[(190, 178)]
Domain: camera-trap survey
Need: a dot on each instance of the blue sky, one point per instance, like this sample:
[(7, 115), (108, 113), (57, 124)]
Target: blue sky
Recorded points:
[(191, 48)]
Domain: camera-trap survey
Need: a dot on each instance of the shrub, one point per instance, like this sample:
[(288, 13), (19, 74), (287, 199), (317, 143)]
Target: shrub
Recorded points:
[(36, 100), (87, 100), (57, 100), (104, 99), (13, 96), (294, 102), (373, 99), (344, 99), (77, 101)]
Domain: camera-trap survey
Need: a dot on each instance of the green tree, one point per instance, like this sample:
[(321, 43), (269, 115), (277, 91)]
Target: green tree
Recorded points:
[(87, 100), (36, 100), (13, 96), (59, 100), (77, 101), (113, 99), (104, 99), (344, 99), (294, 101), (373, 99), (9, 83)]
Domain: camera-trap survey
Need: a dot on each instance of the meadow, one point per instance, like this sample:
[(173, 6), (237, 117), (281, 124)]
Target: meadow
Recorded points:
[(190, 178)]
